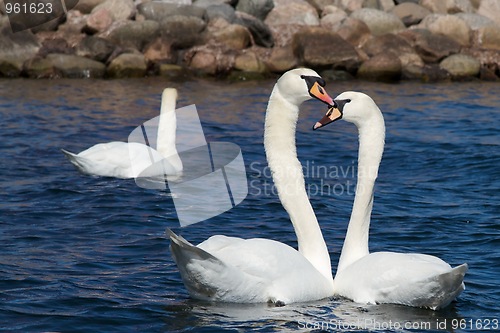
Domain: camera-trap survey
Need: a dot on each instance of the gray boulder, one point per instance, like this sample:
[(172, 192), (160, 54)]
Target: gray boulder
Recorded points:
[(449, 25), (281, 59), (487, 38), (317, 47), (382, 67), (430, 47), (232, 36), (475, 21), (223, 10), (127, 65), (160, 51), (355, 31), (490, 9), (378, 21), (257, 8), (248, 61), (184, 31), (86, 6), (134, 34), (410, 13), (119, 9), (387, 43), (15, 49), (158, 11), (292, 12), (64, 65), (461, 66), (261, 33), (332, 18), (95, 48)]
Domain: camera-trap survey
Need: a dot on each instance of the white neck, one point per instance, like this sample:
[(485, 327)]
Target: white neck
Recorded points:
[(371, 147), (167, 126), (279, 143)]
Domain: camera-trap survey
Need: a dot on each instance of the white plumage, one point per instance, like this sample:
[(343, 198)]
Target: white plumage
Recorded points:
[(131, 159), (258, 270), (412, 279)]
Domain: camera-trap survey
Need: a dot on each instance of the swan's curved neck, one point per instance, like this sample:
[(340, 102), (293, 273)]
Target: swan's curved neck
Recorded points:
[(279, 143), (167, 126), (371, 147)]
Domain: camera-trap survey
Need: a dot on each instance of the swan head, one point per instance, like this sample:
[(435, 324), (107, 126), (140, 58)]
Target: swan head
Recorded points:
[(168, 99), (301, 84), (351, 106), (170, 93)]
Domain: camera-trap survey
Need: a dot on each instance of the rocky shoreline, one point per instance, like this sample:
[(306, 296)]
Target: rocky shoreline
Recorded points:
[(383, 40)]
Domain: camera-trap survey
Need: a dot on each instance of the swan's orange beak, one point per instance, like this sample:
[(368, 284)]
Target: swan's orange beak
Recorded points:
[(332, 114), (319, 92)]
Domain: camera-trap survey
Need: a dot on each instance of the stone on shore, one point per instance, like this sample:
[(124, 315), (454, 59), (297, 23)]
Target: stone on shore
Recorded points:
[(127, 65), (410, 13), (333, 18), (248, 61), (157, 11), (382, 67), (184, 31), (133, 34), (490, 9), (86, 6), (281, 59), (257, 8), (354, 31), (412, 66), (160, 51), (379, 22), (430, 47), (292, 12), (15, 49), (64, 65), (209, 59), (119, 9), (261, 33), (316, 46), (98, 21), (449, 25), (461, 66), (95, 48), (171, 71), (488, 37), (233, 36), (387, 43)]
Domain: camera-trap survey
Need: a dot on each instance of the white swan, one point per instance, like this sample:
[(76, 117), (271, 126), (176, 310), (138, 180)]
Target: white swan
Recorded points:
[(258, 270), (129, 159), (383, 277)]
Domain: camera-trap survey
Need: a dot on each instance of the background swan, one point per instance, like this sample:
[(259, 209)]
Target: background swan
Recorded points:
[(262, 270), (383, 277), (128, 159)]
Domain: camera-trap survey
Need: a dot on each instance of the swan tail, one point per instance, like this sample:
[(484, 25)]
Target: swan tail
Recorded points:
[(451, 284), (199, 269), (73, 158)]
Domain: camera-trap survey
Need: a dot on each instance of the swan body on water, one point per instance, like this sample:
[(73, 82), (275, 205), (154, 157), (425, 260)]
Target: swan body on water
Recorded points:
[(230, 269), (411, 279), (130, 159)]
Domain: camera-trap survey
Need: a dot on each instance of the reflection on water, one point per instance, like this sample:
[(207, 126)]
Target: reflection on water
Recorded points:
[(325, 315)]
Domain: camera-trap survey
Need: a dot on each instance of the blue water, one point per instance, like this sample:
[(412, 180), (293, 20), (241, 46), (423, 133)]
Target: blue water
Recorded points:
[(86, 254)]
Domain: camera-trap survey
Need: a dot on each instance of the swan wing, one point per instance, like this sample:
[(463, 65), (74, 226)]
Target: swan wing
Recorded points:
[(114, 159), (402, 278), (247, 271)]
